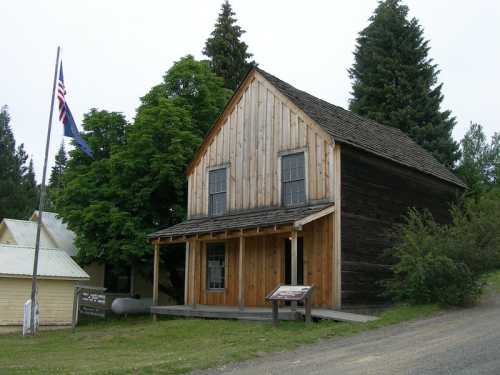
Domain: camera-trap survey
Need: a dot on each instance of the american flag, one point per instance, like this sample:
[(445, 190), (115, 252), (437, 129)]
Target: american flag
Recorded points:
[(61, 96), (65, 116)]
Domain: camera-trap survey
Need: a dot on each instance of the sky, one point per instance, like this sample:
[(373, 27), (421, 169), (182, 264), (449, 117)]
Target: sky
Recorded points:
[(114, 51)]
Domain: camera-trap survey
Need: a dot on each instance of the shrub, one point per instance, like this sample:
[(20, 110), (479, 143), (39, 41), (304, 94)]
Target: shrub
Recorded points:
[(442, 263), (474, 235)]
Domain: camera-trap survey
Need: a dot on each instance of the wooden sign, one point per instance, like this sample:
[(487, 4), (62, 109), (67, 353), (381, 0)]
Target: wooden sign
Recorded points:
[(290, 293), (293, 293), (88, 300), (93, 311), (92, 298)]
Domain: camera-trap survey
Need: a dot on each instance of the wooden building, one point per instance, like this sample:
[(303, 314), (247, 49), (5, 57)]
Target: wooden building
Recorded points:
[(287, 188), (57, 276)]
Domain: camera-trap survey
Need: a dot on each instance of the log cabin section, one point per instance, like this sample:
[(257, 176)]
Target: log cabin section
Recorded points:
[(287, 188)]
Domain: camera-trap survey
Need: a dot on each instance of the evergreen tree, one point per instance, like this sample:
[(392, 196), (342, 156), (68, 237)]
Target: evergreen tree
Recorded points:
[(479, 165), (228, 54), (61, 160), (17, 182), (395, 82)]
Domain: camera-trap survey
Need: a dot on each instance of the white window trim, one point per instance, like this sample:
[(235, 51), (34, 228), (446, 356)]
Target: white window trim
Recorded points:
[(304, 150)]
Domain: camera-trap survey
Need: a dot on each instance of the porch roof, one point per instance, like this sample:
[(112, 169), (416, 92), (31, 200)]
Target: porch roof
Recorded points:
[(246, 220)]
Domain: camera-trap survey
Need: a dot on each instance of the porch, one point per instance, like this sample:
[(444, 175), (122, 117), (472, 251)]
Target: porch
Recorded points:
[(254, 251), (256, 313)]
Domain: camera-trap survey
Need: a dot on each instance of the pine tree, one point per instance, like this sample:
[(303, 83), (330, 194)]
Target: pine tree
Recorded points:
[(61, 160), (17, 195), (228, 54), (395, 82)]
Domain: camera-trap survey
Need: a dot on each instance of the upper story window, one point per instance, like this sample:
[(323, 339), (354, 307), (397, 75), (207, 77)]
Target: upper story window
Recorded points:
[(216, 258), (293, 182), (217, 186)]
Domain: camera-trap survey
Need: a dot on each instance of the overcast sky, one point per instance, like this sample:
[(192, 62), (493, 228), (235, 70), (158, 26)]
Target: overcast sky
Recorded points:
[(114, 51)]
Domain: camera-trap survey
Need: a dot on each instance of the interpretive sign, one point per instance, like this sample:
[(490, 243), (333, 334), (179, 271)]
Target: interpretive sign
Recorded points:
[(293, 293), (290, 293)]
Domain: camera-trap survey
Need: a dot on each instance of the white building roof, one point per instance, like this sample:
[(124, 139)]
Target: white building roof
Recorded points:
[(64, 238), (17, 261), (23, 233)]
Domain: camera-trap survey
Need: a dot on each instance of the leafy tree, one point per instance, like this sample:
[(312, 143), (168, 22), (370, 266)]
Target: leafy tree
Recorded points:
[(227, 52), (136, 183), (17, 180), (88, 202), (479, 165), (396, 83)]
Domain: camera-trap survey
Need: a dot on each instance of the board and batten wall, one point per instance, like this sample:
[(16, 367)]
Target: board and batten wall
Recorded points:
[(55, 299), (264, 267), (258, 126)]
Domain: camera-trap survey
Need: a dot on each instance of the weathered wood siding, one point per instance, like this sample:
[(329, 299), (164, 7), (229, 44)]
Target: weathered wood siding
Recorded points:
[(263, 266), (318, 244), (260, 125), (55, 299), (375, 194)]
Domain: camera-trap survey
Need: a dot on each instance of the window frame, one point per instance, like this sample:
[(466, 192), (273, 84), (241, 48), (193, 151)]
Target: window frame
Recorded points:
[(281, 183), (209, 197), (220, 246)]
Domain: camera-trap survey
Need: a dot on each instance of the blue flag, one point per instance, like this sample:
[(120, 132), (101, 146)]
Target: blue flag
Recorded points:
[(65, 116)]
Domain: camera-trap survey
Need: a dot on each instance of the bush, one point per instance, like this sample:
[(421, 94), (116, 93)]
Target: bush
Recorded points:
[(443, 263), (433, 278)]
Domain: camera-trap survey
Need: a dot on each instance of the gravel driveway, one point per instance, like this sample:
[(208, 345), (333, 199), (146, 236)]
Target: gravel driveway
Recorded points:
[(458, 342)]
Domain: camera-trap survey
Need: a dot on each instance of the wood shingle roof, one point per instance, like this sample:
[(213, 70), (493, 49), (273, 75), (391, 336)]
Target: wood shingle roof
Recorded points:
[(349, 128), (240, 220)]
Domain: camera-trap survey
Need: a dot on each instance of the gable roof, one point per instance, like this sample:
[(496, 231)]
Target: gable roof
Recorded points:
[(17, 261), (64, 238), (23, 232), (349, 128)]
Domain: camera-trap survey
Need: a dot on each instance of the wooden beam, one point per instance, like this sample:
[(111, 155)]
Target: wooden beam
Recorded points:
[(337, 234), (294, 265), (193, 272), (228, 234), (156, 270), (241, 279), (326, 211), (186, 275)]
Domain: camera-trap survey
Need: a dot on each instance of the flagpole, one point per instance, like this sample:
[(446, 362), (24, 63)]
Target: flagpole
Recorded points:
[(42, 201)]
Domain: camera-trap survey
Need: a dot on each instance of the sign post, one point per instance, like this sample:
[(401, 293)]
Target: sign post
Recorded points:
[(292, 293), (88, 300)]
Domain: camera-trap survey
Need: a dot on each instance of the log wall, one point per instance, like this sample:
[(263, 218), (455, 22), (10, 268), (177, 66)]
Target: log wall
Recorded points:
[(375, 194)]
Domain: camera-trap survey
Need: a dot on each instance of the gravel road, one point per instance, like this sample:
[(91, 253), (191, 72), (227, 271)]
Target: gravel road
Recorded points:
[(458, 342)]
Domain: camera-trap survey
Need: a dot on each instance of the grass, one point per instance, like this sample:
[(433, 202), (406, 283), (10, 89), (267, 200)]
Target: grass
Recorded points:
[(175, 346), (492, 282), (170, 346)]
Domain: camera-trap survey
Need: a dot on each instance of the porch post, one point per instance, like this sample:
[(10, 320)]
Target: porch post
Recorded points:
[(186, 275), (241, 280), (156, 269), (294, 264), (193, 272)]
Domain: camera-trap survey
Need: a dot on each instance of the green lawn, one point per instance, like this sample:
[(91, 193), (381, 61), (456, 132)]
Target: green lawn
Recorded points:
[(170, 346), (174, 346)]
